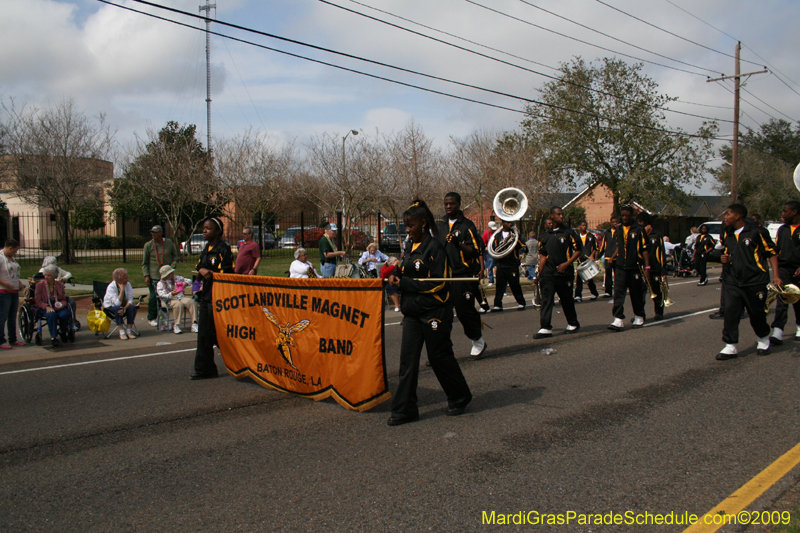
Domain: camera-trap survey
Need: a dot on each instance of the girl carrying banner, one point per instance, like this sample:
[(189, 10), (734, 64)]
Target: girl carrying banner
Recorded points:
[(427, 319)]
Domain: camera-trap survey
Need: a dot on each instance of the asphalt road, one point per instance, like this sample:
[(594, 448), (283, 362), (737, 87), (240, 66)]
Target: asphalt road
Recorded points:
[(643, 421)]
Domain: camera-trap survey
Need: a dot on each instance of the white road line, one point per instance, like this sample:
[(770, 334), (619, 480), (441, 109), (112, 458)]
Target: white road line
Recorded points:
[(192, 349), (95, 362), (680, 317)]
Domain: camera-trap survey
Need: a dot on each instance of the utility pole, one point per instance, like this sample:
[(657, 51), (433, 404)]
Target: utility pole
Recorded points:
[(736, 86), (207, 8)]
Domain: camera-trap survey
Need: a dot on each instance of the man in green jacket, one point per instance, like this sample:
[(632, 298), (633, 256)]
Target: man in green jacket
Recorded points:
[(157, 253)]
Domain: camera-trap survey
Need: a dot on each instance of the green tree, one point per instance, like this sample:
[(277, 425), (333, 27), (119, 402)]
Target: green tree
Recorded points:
[(766, 163), (88, 216), (172, 173), (604, 124)]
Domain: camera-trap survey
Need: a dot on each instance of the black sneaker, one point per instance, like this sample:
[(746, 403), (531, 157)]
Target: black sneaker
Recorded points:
[(55, 343)]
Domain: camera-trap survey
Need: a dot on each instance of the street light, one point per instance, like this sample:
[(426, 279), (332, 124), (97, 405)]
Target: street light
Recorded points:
[(344, 172)]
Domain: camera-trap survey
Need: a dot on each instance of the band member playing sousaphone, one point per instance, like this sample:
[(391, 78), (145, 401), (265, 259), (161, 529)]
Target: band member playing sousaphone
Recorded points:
[(630, 255), (655, 249), (559, 247), (508, 270), (464, 249)]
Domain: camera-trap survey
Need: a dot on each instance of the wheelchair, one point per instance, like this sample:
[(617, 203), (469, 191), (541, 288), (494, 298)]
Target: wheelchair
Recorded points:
[(30, 324)]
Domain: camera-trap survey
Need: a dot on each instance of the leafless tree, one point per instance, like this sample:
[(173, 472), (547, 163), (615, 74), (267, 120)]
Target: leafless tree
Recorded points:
[(254, 173), (56, 157)]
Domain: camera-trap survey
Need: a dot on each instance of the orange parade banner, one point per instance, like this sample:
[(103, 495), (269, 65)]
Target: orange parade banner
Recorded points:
[(310, 337)]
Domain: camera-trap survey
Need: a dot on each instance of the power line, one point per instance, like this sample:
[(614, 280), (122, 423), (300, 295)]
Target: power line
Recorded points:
[(499, 51), (615, 38), (671, 33), (769, 106), (582, 41), (771, 67), (374, 76)]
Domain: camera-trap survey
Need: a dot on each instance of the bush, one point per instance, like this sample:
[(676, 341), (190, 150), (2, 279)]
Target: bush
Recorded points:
[(98, 242)]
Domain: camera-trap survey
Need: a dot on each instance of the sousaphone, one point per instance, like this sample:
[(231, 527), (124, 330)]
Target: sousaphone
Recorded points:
[(510, 205)]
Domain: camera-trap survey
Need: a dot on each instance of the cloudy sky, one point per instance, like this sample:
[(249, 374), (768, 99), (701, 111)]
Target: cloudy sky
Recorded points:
[(142, 72)]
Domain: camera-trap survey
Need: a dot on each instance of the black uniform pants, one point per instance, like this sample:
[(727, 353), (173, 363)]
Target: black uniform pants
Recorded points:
[(782, 308), (433, 330), (464, 294), (702, 267), (206, 339), (737, 298), (579, 287), (507, 276), (628, 280), (608, 279), (549, 286)]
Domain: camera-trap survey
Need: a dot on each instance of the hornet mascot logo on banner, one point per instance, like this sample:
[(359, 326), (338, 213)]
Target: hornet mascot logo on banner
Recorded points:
[(284, 341)]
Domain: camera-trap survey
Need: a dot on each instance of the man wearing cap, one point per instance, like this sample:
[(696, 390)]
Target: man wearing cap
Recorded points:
[(249, 256), (328, 253), (156, 253), (172, 289)]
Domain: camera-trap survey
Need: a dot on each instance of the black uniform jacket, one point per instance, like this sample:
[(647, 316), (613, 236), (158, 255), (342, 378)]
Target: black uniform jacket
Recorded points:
[(512, 260), (464, 232), (558, 245), (630, 249), (216, 259), (428, 260), (750, 252), (609, 245), (655, 248), (789, 246), (704, 244), (589, 244)]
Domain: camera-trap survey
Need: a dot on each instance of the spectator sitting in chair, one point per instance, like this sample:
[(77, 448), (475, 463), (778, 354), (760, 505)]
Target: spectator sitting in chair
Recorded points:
[(118, 302), (301, 267), (371, 258), (172, 289), (63, 276), (50, 301)]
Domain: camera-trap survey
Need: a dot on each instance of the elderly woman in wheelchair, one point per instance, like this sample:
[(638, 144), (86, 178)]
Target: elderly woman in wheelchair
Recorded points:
[(50, 301)]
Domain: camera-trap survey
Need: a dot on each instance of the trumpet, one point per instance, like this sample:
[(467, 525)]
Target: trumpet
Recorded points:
[(537, 296), (789, 294), (646, 279), (665, 290)]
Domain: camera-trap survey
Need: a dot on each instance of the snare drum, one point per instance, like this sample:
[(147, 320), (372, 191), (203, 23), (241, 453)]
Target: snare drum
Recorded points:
[(588, 270)]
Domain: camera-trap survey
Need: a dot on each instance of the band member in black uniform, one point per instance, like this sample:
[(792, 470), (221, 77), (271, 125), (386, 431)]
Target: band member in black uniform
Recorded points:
[(589, 242), (702, 247), (747, 248), (464, 249), (558, 250), (216, 257), (427, 319), (655, 249), (788, 243), (608, 248), (507, 270), (631, 253)]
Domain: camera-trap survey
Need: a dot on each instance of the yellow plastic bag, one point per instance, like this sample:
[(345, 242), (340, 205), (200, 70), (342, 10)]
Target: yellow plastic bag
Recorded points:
[(98, 321)]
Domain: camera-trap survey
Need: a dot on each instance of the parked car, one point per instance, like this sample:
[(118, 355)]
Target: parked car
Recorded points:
[(269, 241), (288, 238), (197, 244), (390, 240)]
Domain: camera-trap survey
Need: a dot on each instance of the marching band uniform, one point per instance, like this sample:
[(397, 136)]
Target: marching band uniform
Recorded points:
[(788, 263), (655, 248), (464, 294), (745, 280), (427, 319), (508, 274), (589, 242), (608, 249), (216, 259), (631, 251), (557, 246), (702, 246)]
